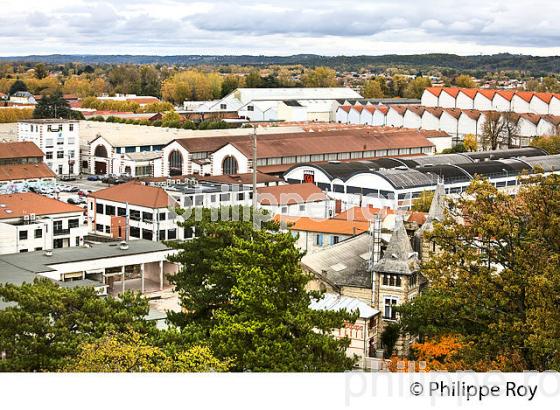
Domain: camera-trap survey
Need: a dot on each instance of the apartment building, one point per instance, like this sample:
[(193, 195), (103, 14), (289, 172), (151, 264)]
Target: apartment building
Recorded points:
[(31, 222), (296, 200), (58, 139)]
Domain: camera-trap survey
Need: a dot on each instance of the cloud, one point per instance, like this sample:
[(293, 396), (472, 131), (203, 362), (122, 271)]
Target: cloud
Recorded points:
[(272, 27)]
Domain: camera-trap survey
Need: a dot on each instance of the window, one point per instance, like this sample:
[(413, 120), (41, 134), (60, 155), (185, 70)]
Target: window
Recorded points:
[(100, 151), (49, 142), (57, 226), (302, 207), (223, 106), (147, 217), (250, 108), (389, 311), (107, 229), (335, 239), (172, 234), (134, 232), (99, 209), (23, 250), (60, 140), (161, 235), (224, 197), (73, 223), (121, 211), (284, 210), (212, 198), (71, 127), (392, 280), (240, 196), (22, 235), (71, 154), (129, 150), (135, 215), (58, 243), (199, 200), (230, 166), (38, 233), (189, 232), (175, 163), (49, 155), (109, 210), (319, 239), (99, 228), (162, 216), (147, 234), (60, 154), (412, 280)]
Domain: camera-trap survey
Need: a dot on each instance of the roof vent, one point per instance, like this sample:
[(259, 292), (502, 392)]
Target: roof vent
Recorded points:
[(48, 252), (123, 246)]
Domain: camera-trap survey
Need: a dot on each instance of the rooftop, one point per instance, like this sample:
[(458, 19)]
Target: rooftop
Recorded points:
[(20, 149), (26, 203), (14, 172), (136, 193), (334, 302), (329, 226)]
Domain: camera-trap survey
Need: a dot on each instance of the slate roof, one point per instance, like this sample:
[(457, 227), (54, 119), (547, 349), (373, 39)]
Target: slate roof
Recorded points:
[(399, 256)]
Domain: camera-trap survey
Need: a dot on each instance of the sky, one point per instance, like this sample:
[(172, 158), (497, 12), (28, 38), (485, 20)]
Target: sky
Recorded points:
[(341, 27)]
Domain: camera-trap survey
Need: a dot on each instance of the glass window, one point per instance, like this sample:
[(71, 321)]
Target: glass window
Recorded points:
[(147, 234), (147, 216), (60, 154), (73, 223), (134, 215), (134, 232), (109, 210), (389, 311), (121, 211), (99, 209), (172, 234), (49, 155), (38, 233), (22, 235), (230, 166)]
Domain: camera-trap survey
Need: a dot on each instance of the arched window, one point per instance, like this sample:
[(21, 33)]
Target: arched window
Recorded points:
[(127, 170), (100, 151), (175, 163), (229, 166)]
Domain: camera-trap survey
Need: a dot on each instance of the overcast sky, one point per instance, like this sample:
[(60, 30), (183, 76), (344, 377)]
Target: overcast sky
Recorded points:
[(279, 27)]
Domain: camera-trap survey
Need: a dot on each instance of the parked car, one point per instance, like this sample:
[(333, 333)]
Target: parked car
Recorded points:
[(67, 178), (93, 178), (76, 200)]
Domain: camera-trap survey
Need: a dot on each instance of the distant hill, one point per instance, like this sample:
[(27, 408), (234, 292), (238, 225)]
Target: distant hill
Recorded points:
[(535, 65)]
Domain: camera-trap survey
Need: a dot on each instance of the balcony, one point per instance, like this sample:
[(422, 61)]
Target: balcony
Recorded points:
[(61, 232)]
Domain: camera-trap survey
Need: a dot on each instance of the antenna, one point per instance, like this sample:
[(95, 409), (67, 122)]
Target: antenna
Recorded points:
[(375, 252)]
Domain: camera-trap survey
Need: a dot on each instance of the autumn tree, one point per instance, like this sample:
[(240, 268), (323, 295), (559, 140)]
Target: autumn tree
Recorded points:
[(150, 81), (550, 144), (230, 84), (398, 85), (253, 80), (416, 87), (192, 85), (243, 291), (464, 81), (495, 281), (423, 202), (133, 352), (319, 77), (470, 143), (372, 89)]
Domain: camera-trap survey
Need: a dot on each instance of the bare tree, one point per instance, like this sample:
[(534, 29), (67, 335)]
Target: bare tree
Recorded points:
[(510, 129), (492, 130)]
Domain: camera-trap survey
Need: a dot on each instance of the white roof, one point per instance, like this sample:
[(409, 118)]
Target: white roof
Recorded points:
[(334, 302), (127, 135), (335, 93)]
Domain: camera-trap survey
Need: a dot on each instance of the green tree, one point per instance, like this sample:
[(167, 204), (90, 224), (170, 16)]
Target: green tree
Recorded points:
[(150, 81), (230, 84), (464, 81), (253, 80), (244, 291), (55, 106), (124, 79), (372, 89), (44, 325), (319, 77), (416, 87), (398, 85), (18, 85), (496, 280), (41, 71)]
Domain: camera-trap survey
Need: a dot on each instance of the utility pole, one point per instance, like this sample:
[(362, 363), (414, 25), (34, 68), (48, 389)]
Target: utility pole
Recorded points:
[(254, 169)]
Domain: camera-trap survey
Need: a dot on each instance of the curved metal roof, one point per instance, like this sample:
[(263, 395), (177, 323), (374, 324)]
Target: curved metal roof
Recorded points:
[(451, 174), (495, 169), (441, 159), (408, 178), (548, 163), (505, 153), (345, 170)]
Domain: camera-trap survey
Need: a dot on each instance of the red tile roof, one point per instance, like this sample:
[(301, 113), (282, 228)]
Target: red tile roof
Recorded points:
[(290, 194), (452, 91), (489, 94), (434, 90), (469, 92), (345, 108), (136, 193), (508, 95), (358, 108), (20, 172), (21, 204), (330, 226), (454, 112), (525, 95), (435, 111), (22, 149)]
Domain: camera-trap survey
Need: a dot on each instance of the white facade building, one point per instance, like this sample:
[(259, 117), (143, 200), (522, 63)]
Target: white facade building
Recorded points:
[(58, 139), (31, 222)]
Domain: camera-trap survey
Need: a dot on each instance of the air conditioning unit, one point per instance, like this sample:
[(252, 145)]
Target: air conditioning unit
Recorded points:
[(32, 217)]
